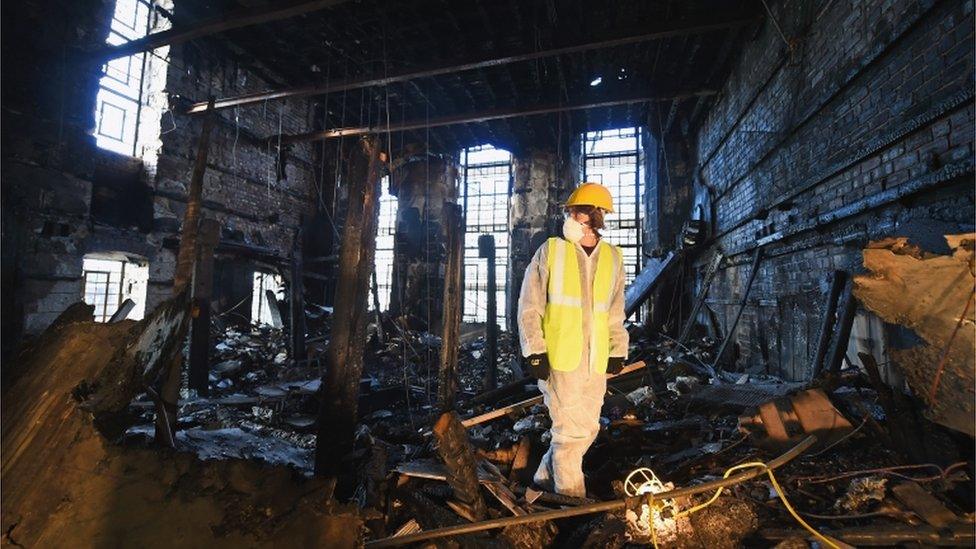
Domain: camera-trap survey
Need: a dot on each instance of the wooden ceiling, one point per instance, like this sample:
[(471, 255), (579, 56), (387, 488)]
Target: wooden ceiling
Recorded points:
[(373, 62)]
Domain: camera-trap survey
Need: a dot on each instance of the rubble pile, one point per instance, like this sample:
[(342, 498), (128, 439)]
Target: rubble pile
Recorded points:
[(668, 416)]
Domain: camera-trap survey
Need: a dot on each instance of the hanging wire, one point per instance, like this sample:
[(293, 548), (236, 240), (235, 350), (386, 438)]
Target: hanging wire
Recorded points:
[(279, 166), (342, 124), (426, 226), (237, 134)]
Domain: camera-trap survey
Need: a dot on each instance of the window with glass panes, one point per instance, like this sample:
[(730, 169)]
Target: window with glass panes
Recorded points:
[(102, 292), (384, 246), (109, 281), (610, 158), (486, 178), (119, 99)]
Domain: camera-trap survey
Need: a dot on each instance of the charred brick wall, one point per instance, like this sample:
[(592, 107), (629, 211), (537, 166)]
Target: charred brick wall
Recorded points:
[(260, 197), (63, 197), (48, 163), (861, 129)]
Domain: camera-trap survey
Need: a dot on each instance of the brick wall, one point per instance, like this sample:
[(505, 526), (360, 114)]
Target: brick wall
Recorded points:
[(259, 198), (55, 178), (863, 130)]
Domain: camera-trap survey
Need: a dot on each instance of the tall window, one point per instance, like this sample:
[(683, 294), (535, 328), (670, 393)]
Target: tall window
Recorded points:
[(384, 246), (119, 100), (487, 174), (610, 158), (112, 278)]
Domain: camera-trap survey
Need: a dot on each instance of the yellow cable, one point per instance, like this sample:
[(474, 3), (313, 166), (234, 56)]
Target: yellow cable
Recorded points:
[(779, 491)]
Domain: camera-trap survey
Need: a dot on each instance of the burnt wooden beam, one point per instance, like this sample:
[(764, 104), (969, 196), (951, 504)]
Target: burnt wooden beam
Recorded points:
[(229, 21), (451, 319), (202, 291), (168, 394), (296, 301), (484, 116), (344, 356), (485, 62)]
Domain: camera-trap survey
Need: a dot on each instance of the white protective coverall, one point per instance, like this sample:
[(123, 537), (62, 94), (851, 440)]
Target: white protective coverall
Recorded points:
[(574, 398)]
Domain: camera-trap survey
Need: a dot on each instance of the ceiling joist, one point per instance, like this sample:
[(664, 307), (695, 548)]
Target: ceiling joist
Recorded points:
[(234, 20), (356, 83), (484, 116)]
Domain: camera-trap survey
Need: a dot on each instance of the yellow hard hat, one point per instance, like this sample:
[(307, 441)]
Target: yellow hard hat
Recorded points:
[(591, 194)]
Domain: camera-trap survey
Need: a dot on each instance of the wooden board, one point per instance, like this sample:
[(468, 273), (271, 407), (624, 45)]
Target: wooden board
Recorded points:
[(924, 504), (488, 416)]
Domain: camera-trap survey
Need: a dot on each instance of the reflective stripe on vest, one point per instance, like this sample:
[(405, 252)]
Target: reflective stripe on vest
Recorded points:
[(562, 322)]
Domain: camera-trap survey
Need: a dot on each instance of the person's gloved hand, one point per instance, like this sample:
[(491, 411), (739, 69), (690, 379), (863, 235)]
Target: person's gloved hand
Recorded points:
[(615, 364), (538, 366)]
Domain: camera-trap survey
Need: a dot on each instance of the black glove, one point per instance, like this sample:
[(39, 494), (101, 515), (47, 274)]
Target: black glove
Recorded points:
[(615, 364), (538, 366)]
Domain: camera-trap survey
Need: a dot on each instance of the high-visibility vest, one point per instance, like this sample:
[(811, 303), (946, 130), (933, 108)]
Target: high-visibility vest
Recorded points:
[(562, 322)]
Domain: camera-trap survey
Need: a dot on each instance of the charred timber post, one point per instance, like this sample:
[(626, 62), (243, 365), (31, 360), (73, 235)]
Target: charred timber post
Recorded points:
[(202, 291), (344, 356), (837, 281), (169, 393), (191, 218), (458, 457), (451, 323), (297, 301), (486, 249)]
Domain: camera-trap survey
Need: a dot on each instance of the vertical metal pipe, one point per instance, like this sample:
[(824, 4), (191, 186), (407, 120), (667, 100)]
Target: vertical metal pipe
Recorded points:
[(837, 281), (845, 320), (730, 330)]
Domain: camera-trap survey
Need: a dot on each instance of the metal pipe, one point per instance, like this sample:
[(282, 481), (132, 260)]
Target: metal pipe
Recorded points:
[(837, 282), (845, 321), (756, 258), (603, 506)]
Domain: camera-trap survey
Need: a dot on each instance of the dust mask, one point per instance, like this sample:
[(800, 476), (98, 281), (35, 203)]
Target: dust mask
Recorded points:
[(572, 230)]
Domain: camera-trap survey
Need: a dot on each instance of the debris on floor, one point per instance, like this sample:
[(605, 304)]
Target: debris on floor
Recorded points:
[(661, 431)]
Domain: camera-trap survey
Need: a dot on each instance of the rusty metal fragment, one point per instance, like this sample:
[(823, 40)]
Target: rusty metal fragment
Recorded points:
[(783, 422)]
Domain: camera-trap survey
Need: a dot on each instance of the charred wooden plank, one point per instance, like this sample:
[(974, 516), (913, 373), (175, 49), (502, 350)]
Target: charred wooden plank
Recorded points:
[(458, 457)]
